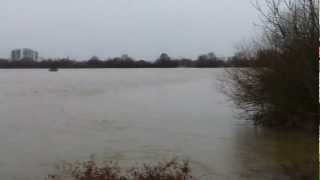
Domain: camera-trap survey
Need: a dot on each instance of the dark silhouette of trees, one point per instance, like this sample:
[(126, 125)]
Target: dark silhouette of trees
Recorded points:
[(185, 62), (165, 61), (240, 59), (281, 87), (94, 61), (4, 62), (209, 60)]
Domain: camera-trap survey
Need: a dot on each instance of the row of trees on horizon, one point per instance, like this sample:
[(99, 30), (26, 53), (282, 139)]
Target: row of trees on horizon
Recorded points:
[(125, 61)]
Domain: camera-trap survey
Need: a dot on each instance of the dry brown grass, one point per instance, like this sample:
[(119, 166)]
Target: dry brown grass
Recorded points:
[(170, 170)]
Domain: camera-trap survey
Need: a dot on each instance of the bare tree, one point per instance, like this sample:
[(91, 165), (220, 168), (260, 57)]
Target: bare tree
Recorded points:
[(281, 87)]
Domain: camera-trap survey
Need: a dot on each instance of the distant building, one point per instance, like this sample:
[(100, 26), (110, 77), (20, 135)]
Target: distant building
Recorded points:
[(25, 53)]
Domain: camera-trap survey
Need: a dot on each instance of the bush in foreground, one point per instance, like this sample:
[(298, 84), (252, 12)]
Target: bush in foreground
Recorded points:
[(281, 87), (172, 170)]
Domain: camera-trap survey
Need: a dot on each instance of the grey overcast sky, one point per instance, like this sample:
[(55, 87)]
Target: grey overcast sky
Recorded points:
[(140, 28)]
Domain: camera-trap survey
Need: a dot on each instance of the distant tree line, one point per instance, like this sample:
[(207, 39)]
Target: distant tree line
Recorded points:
[(209, 60)]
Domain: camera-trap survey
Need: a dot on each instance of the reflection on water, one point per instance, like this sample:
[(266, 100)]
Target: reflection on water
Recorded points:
[(276, 154), (136, 115)]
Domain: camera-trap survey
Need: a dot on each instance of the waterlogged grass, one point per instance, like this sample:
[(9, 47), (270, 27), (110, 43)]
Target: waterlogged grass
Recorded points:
[(170, 170)]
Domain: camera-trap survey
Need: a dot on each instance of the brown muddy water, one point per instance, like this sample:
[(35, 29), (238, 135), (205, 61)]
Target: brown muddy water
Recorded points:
[(133, 116)]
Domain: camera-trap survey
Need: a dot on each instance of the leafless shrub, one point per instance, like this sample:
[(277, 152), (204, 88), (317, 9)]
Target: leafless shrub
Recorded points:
[(280, 89), (171, 170)]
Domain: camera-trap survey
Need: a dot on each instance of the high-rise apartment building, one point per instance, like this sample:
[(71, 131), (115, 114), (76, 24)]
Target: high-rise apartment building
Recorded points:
[(24, 54)]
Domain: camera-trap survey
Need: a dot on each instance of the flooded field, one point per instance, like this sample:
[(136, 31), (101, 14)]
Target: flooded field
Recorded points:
[(136, 115)]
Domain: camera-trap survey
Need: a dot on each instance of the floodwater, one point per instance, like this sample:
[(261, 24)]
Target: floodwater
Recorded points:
[(133, 116)]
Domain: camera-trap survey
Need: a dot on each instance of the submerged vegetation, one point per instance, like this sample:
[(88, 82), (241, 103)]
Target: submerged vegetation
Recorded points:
[(171, 170), (280, 89)]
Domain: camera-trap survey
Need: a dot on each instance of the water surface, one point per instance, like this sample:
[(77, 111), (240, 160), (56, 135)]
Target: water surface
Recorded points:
[(134, 115)]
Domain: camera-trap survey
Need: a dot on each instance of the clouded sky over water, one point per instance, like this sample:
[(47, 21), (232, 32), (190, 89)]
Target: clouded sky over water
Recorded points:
[(139, 28)]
